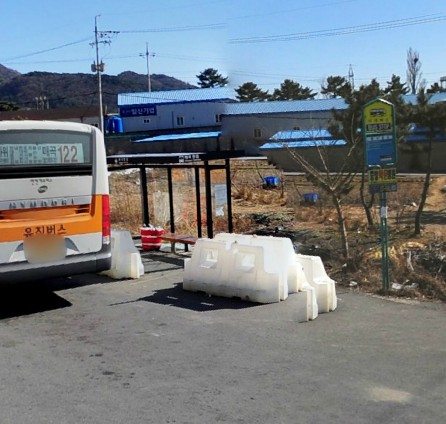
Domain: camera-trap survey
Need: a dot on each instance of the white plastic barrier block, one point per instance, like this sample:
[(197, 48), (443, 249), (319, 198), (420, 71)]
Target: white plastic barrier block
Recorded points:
[(304, 304), (278, 257), (232, 269), (260, 269), (297, 283), (312, 306), (317, 277), (249, 277), (126, 260), (207, 267)]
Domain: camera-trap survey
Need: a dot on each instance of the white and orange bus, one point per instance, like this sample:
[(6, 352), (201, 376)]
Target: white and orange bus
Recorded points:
[(54, 200)]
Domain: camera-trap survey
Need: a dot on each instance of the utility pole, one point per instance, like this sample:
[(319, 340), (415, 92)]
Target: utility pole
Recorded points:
[(147, 55), (99, 66)]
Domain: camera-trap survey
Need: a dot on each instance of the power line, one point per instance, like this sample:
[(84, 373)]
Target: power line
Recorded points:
[(47, 50), (342, 31), (103, 33), (50, 61)]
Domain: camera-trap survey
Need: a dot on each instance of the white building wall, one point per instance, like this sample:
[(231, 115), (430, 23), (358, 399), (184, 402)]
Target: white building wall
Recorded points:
[(250, 131), (176, 116)]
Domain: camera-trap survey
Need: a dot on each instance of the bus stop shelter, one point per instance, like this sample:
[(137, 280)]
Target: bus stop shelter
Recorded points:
[(208, 162)]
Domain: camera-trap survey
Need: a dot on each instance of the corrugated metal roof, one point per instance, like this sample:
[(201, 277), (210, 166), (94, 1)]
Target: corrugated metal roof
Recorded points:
[(436, 97), (244, 108), (314, 137), (309, 105), (302, 135), (176, 96), (422, 135), (284, 106), (170, 137), (299, 144)]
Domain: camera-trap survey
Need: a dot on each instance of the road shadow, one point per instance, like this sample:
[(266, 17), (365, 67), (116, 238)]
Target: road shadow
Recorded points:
[(25, 300), (195, 301), (161, 261), (74, 281)]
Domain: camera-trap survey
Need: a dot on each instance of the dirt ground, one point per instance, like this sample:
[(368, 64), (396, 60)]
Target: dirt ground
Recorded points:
[(416, 263)]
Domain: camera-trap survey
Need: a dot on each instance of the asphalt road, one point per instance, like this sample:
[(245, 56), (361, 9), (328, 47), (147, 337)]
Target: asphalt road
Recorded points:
[(91, 350)]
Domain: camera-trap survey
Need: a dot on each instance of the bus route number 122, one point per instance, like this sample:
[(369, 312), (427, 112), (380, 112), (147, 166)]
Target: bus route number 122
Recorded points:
[(68, 153)]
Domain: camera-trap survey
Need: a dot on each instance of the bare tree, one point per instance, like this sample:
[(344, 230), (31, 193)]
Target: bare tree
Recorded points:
[(336, 184), (432, 118), (413, 72)]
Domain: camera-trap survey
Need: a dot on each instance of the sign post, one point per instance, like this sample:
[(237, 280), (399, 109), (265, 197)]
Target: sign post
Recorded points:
[(379, 132)]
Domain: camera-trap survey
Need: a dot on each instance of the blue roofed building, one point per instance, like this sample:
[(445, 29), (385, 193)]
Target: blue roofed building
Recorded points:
[(243, 125), (174, 110), (146, 115), (434, 98), (250, 125), (315, 145)]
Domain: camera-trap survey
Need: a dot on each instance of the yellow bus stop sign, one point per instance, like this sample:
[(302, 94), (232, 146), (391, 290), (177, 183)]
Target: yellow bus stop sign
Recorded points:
[(379, 133)]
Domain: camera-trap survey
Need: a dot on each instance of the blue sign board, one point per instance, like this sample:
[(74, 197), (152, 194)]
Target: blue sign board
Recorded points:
[(379, 134), (142, 110), (380, 149)]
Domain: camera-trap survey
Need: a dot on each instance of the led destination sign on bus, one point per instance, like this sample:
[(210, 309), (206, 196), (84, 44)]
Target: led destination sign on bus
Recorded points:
[(42, 154)]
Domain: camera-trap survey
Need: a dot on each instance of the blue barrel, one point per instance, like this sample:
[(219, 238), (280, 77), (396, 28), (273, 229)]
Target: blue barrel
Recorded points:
[(271, 181), (114, 125), (310, 198)]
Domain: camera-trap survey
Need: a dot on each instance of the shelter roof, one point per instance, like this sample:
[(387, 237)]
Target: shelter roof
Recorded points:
[(167, 159)]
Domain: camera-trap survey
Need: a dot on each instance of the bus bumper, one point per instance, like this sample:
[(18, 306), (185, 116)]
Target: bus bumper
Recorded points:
[(17, 272)]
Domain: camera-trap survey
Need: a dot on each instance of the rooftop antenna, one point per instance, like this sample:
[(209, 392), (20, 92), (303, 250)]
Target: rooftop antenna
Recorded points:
[(351, 77)]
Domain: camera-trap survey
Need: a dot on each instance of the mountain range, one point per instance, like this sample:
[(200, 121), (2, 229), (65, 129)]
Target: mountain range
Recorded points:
[(63, 90)]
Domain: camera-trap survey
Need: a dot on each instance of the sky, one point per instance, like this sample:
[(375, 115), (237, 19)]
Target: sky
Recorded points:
[(260, 41)]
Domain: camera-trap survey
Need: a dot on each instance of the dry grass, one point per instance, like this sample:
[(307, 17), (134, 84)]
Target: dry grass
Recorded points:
[(125, 202)]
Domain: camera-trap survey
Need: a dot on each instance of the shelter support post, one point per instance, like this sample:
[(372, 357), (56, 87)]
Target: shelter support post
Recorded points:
[(229, 195), (207, 180), (171, 204), (198, 201), (145, 196)]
